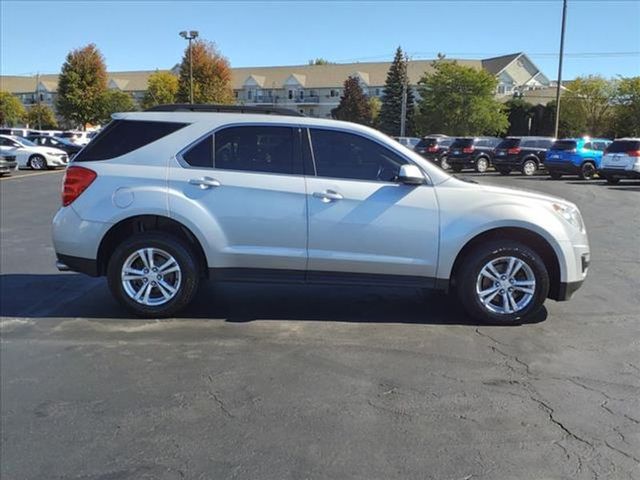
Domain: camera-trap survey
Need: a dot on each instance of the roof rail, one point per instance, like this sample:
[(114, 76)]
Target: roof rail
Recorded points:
[(211, 107)]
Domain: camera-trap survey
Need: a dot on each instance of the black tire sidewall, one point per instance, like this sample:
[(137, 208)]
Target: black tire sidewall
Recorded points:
[(585, 168), (175, 247), (470, 269)]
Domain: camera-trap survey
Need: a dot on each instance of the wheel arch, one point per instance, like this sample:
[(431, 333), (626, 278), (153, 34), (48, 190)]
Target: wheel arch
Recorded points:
[(530, 238), (145, 223)]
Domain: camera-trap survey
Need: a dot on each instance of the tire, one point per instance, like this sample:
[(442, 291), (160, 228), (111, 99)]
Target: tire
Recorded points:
[(504, 171), (555, 175), (529, 167), (470, 280), (587, 171), (456, 168), (37, 162), (482, 164), (612, 180), (443, 163), (185, 280)]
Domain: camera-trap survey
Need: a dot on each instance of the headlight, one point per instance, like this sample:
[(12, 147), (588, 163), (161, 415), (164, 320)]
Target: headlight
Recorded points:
[(52, 153), (570, 214)]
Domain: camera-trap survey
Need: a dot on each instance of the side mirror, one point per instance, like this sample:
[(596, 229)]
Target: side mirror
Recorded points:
[(410, 175)]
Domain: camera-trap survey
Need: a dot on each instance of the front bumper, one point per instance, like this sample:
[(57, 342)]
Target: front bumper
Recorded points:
[(57, 160)]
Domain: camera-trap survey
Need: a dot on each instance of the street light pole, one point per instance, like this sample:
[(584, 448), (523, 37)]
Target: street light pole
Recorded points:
[(190, 35), (564, 18), (403, 108)]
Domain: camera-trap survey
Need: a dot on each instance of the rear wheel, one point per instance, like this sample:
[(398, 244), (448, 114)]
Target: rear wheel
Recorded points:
[(504, 171), (555, 175), (153, 274), (502, 282), (443, 163), (37, 162), (587, 171), (529, 167), (482, 164)]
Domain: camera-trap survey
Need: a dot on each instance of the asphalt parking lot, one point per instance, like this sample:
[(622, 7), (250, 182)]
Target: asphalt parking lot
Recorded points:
[(278, 382)]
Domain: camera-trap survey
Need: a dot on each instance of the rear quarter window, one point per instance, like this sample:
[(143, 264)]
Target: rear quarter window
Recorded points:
[(124, 136), (509, 143), (623, 146)]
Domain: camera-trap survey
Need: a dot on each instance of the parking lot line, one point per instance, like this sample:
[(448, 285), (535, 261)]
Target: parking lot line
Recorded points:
[(29, 175)]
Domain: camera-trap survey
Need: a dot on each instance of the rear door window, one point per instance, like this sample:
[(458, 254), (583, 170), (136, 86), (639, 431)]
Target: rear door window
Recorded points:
[(564, 145), (257, 149), (124, 136)]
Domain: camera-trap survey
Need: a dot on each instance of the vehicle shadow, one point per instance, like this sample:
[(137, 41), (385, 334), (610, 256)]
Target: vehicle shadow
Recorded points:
[(77, 296)]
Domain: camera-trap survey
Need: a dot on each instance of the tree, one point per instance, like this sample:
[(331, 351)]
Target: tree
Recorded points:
[(627, 108), (11, 109), (162, 88), (319, 61), (519, 112), (82, 85), (586, 106), (459, 100), (116, 101), (211, 75), (42, 117), (375, 104), (391, 109), (354, 105)]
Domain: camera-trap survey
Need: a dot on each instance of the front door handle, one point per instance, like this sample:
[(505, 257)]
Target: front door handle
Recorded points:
[(328, 196), (205, 182)]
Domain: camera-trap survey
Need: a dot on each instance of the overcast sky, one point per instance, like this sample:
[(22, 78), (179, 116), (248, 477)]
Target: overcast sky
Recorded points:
[(602, 36)]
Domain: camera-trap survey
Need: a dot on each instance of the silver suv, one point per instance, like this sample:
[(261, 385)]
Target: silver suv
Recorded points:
[(162, 199)]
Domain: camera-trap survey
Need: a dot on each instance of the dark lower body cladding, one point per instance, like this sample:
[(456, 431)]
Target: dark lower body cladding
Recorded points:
[(258, 275), (566, 168), (618, 173)]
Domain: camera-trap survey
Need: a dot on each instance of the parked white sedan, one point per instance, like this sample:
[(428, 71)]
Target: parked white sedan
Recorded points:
[(30, 155)]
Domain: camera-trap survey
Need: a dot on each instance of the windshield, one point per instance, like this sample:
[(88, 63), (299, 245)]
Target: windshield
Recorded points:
[(564, 145), (24, 142)]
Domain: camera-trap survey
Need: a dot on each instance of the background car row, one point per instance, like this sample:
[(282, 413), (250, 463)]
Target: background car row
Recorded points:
[(584, 157)]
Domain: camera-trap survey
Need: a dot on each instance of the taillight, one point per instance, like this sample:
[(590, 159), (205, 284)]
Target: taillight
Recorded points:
[(468, 150), (634, 153), (76, 180), (513, 151), (433, 149)]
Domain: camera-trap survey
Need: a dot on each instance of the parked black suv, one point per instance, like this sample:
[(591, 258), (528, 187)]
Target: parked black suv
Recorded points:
[(472, 152), (435, 149), (526, 154)]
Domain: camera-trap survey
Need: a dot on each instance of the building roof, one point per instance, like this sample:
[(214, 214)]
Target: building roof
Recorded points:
[(374, 74), (496, 65)]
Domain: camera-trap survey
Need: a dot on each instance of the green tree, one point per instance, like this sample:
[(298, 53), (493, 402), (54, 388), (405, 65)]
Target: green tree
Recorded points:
[(519, 112), (459, 100), (42, 117), (627, 108), (211, 75), (319, 61), (391, 109), (162, 88), (354, 105), (116, 101), (375, 104), (11, 109), (587, 106), (81, 86)]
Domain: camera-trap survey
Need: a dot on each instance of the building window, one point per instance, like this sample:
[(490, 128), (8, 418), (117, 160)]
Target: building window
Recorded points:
[(290, 94), (250, 94), (235, 93)]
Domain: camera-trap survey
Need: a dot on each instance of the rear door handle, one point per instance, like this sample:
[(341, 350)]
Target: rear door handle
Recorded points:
[(205, 182), (328, 196)]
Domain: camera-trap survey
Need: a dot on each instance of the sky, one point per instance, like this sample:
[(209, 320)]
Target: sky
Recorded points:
[(602, 37)]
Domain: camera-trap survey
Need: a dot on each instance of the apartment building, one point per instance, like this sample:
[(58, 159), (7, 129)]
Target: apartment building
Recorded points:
[(310, 89)]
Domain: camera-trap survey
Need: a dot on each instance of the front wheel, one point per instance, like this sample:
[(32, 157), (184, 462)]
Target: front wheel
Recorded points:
[(37, 162), (153, 274), (587, 171), (482, 165), (529, 167), (502, 282)]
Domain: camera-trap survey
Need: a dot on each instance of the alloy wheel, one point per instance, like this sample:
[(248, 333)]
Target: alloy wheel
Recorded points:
[(505, 285), (151, 276)]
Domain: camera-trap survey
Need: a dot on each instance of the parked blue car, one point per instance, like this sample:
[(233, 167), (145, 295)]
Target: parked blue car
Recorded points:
[(575, 156)]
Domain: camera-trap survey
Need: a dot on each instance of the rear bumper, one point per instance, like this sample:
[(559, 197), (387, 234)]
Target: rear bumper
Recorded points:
[(618, 173)]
